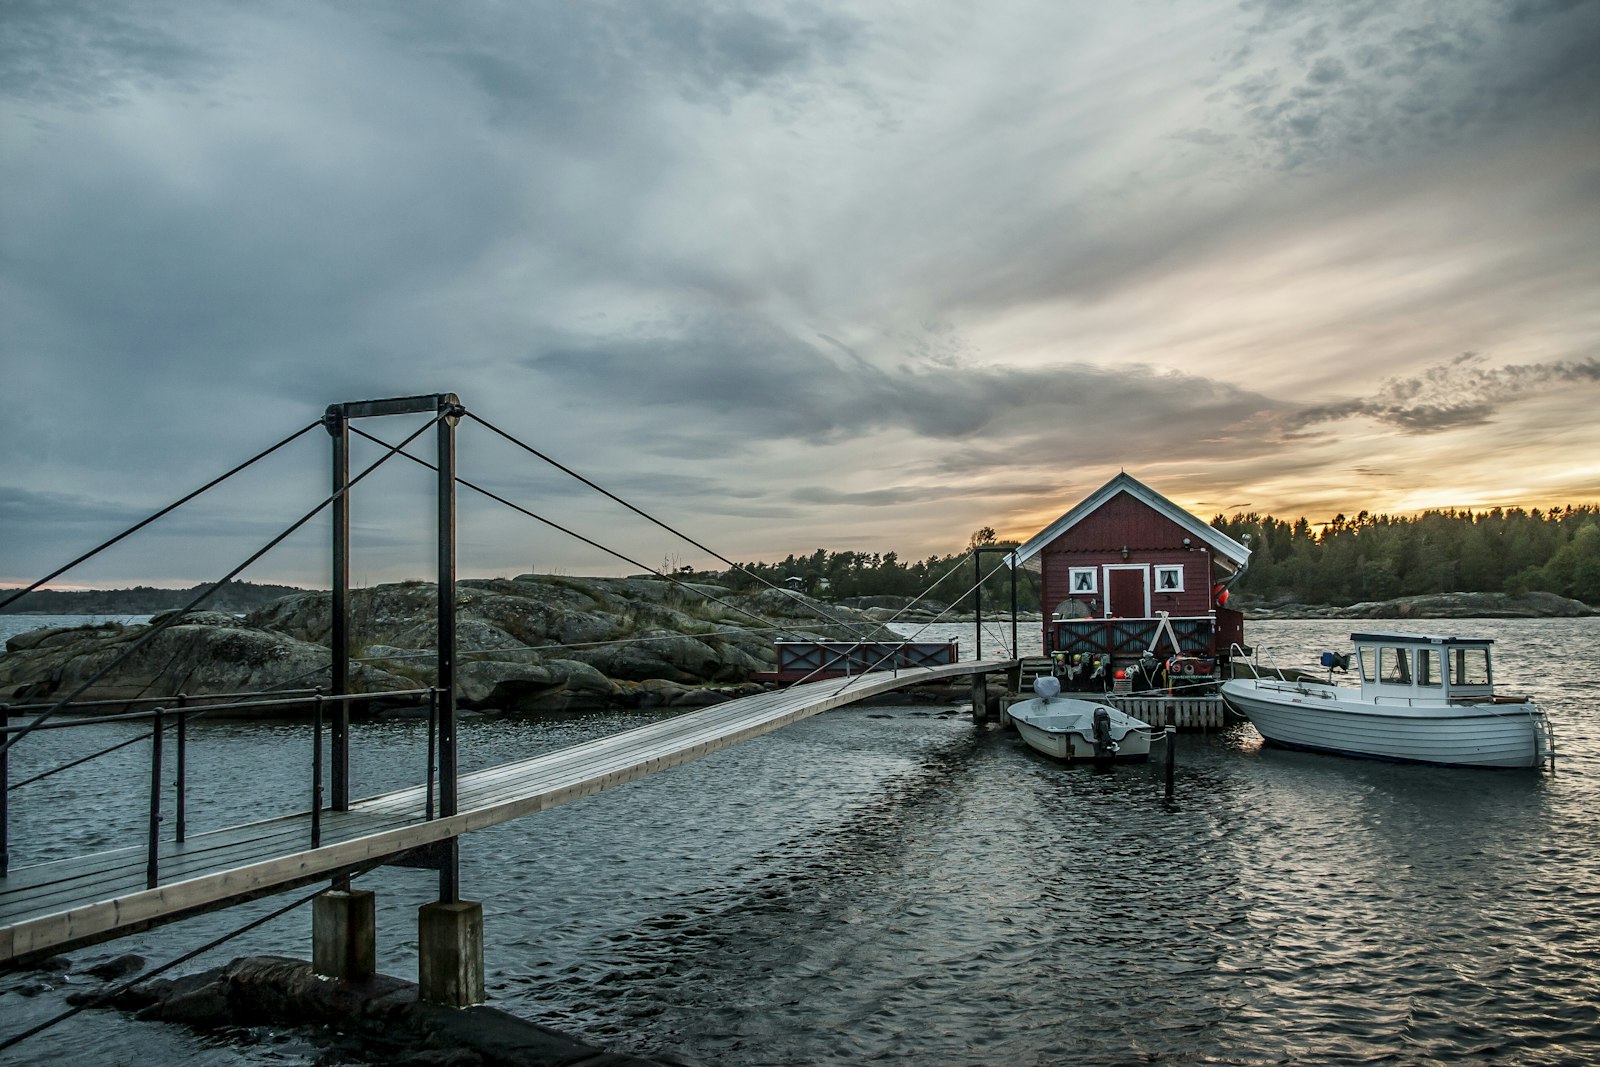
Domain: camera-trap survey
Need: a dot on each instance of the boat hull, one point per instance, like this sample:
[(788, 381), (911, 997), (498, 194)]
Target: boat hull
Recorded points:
[(1313, 717), (1063, 730)]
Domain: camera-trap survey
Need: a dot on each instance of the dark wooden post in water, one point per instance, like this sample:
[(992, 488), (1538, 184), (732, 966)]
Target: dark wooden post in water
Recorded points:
[(1172, 758)]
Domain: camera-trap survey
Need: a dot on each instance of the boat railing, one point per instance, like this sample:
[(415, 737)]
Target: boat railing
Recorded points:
[(1237, 654), (1272, 672)]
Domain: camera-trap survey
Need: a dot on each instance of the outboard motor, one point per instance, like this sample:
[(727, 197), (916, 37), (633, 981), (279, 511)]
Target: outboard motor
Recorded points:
[(1336, 661), (1105, 749)]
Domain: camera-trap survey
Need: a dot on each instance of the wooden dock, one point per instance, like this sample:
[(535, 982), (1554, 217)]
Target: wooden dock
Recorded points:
[(1186, 713), (55, 907)]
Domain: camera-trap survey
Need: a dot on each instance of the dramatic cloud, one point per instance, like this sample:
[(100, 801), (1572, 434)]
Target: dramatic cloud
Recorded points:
[(792, 273), (1462, 392)]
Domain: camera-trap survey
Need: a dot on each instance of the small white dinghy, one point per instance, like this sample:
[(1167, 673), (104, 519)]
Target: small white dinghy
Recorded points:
[(1078, 730)]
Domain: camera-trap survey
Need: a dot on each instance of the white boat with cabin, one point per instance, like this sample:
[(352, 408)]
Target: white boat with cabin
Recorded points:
[(1074, 730), (1423, 698)]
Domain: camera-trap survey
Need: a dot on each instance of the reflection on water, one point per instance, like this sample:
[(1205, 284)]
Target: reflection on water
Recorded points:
[(894, 884)]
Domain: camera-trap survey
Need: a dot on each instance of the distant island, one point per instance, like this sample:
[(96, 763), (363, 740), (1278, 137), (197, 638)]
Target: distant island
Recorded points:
[(146, 599)]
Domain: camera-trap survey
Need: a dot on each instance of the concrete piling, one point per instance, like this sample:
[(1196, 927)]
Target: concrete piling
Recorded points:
[(344, 939), (450, 953)]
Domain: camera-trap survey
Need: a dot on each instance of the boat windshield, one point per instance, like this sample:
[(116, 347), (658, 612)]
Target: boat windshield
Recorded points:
[(1470, 666), (1395, 665), (1368, 659), (1428, 667)]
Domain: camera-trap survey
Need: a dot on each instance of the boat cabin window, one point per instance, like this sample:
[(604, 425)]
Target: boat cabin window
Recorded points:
[(1394, 665), (1368, 657), (1470, 666), (1428, 667)]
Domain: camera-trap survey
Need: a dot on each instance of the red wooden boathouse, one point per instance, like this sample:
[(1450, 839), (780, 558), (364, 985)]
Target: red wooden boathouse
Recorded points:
[(1121, 558)]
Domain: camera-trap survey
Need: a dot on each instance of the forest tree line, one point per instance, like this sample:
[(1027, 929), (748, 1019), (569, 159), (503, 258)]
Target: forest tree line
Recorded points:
[(1343, 561), (1379, 557)]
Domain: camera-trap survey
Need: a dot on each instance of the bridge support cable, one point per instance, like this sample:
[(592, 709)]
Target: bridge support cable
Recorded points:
[(552, 524), (844, 623), (205, 595), (885, 658), (17, 594)]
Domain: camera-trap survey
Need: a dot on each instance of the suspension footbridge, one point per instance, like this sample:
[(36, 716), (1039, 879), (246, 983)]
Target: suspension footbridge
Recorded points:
[(55, 906)]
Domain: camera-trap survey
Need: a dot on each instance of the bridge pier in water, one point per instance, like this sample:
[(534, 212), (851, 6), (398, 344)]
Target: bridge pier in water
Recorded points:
[(344, 934), (450, 953), (344, 943)]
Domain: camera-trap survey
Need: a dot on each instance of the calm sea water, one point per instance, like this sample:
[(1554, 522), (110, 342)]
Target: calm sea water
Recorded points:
[(893, 884)]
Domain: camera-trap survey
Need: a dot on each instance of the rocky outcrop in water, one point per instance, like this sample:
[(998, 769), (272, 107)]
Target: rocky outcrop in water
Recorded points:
[(531, 643), (379, 1020), (1435, 606)]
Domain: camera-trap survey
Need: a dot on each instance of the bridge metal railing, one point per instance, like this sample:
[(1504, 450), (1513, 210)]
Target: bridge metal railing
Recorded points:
[(173, 714)]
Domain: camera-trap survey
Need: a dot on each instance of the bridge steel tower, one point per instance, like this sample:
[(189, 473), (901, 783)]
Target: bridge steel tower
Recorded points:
[(450, 930)]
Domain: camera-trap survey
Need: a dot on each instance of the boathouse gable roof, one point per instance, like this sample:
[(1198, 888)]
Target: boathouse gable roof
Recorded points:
[(1220, 543)]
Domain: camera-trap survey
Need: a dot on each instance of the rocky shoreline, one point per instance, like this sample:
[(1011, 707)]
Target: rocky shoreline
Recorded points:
[(377, 1020), (530, 644), (1431, 606), (539, 644)]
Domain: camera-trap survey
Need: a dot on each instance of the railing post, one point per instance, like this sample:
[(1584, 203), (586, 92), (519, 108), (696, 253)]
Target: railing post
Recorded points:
[(5, 792), (433, 726), (180, 803), (152, 861), (316, 770)]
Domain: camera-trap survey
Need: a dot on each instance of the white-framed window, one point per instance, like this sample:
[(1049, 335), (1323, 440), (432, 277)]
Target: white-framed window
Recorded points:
[(1169, 577), (1083, 580)]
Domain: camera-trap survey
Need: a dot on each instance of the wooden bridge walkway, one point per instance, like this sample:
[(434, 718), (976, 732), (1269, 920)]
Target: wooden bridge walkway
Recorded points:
[(58, 906)]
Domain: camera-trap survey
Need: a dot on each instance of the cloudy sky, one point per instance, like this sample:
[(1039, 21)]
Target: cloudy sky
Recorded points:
[(829, 274)]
